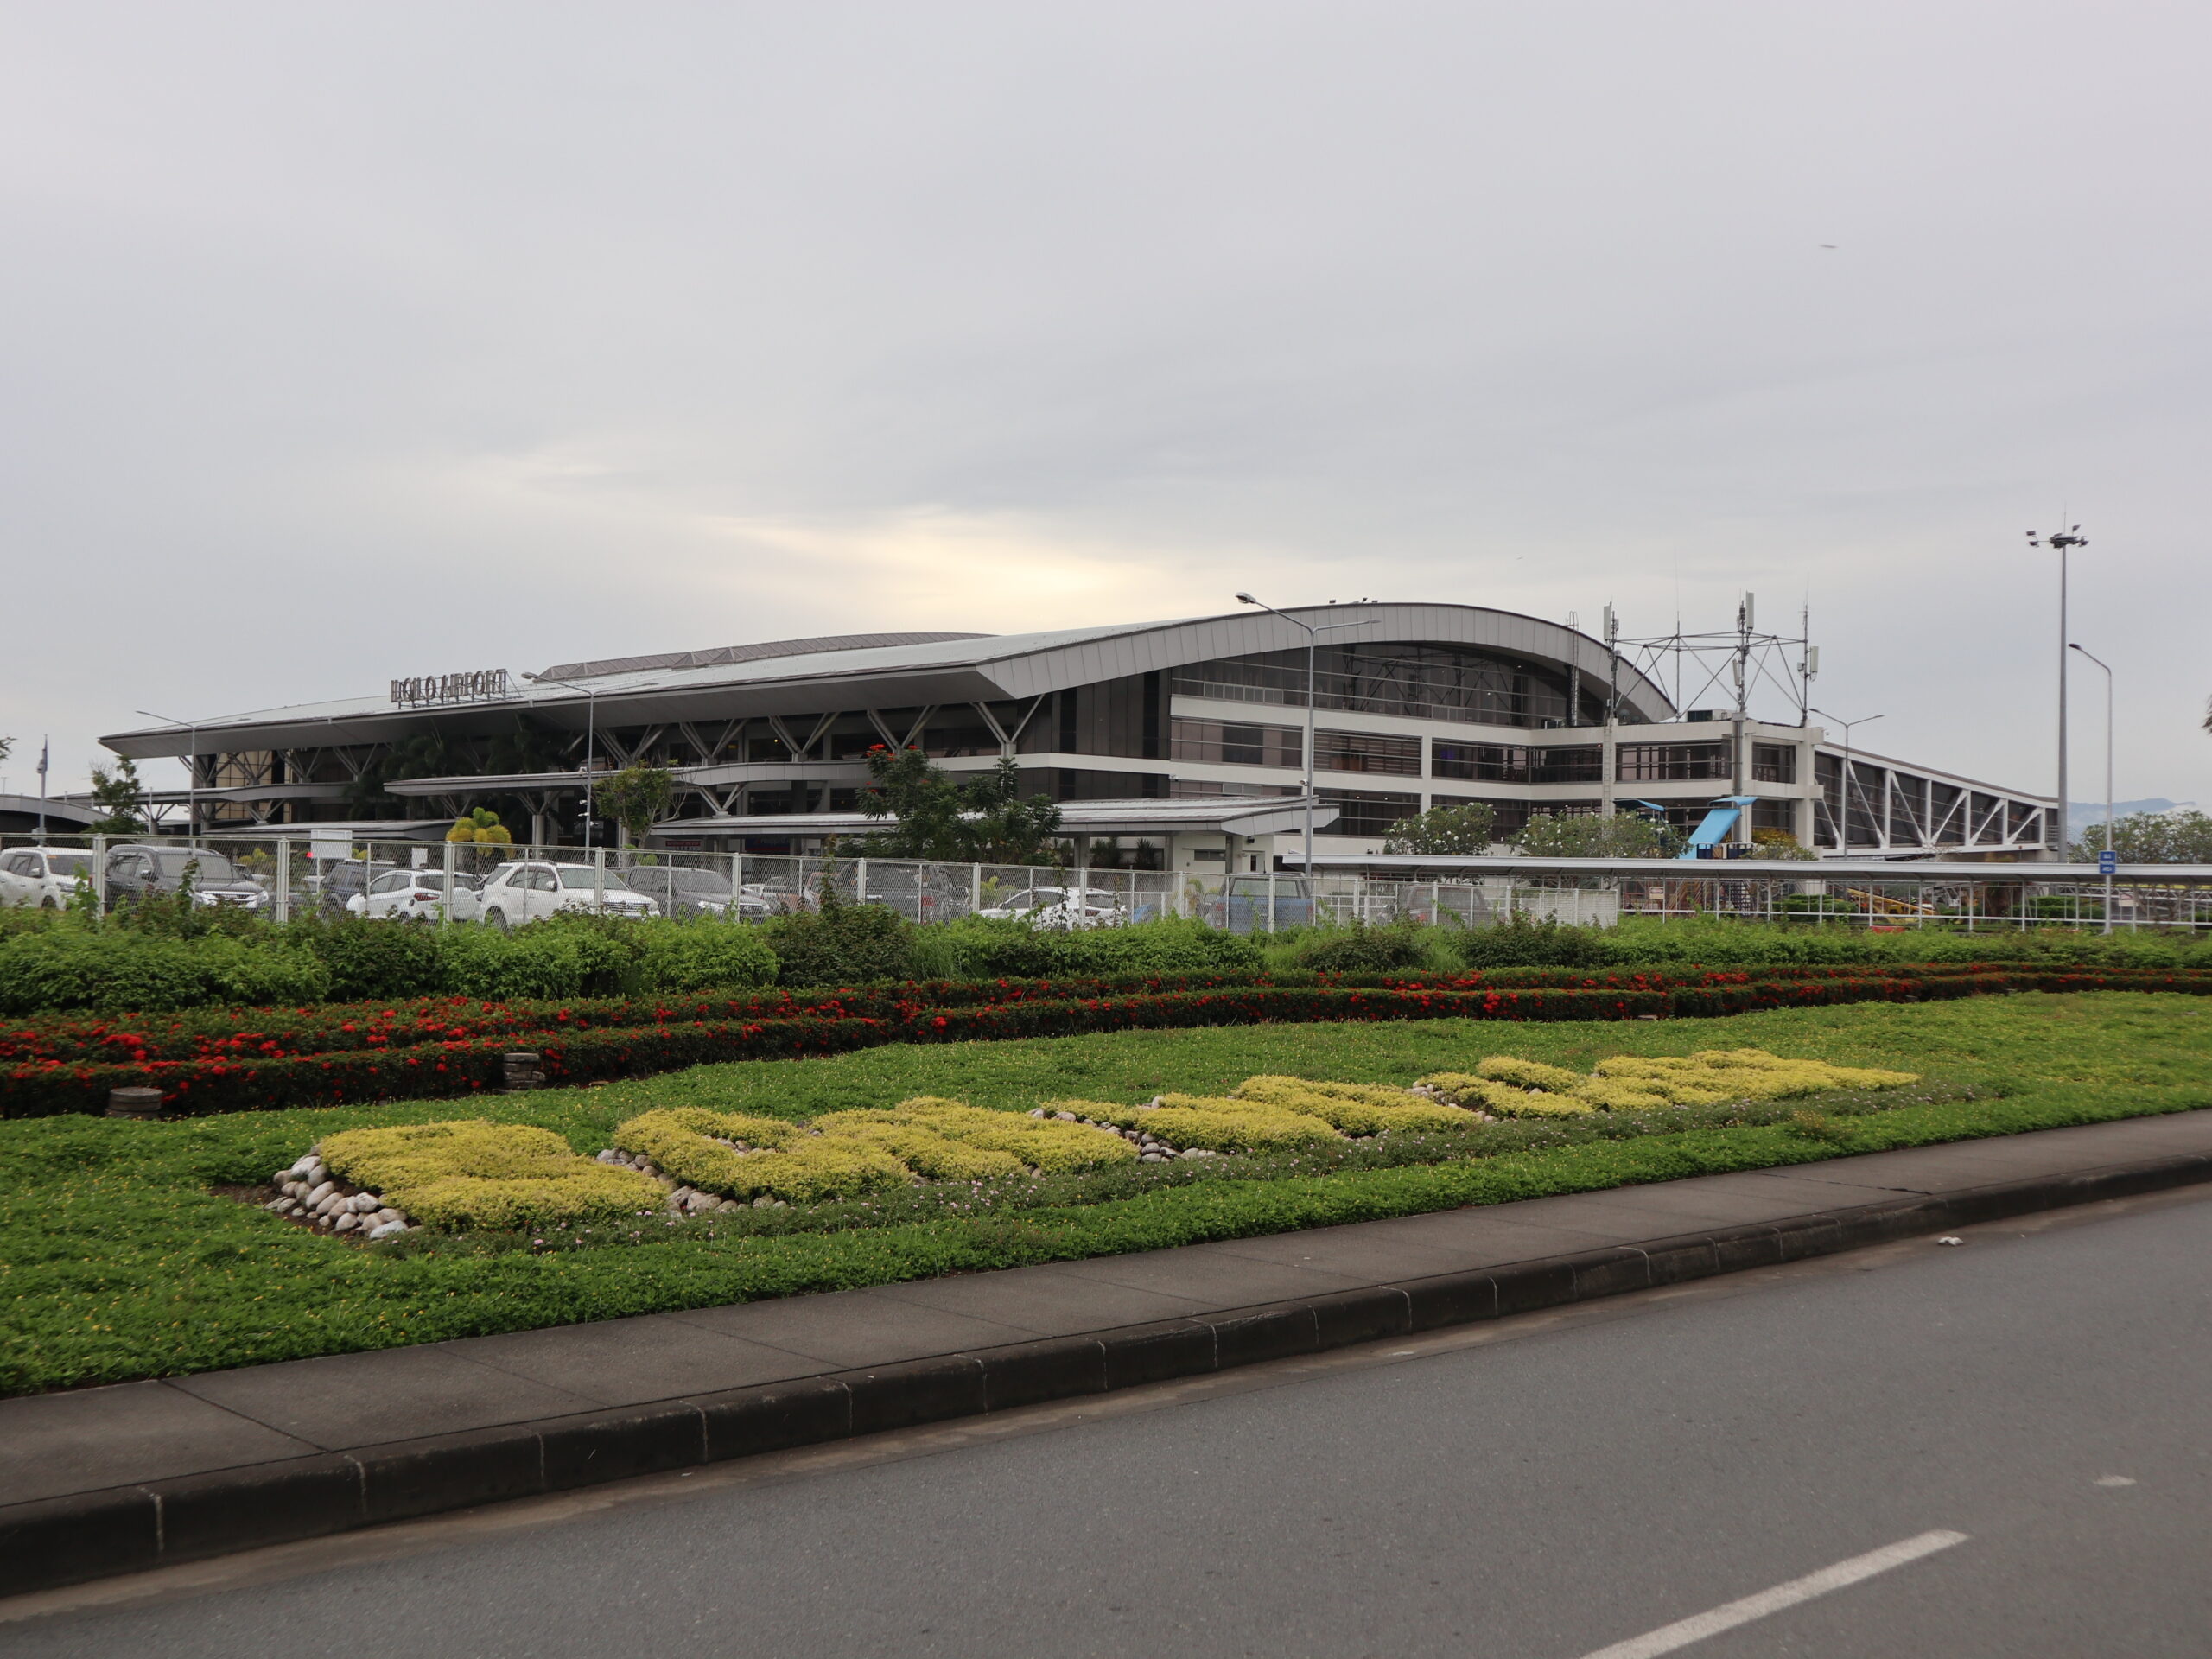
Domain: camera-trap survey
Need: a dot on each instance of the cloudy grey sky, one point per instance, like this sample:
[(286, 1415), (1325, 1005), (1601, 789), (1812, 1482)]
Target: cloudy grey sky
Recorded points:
[(344, 341)]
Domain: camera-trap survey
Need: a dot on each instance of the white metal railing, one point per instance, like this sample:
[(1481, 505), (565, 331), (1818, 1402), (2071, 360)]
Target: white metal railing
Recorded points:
[(284, 877)]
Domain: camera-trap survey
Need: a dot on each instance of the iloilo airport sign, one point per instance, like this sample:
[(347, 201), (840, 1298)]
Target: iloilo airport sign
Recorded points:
[(477, 685)]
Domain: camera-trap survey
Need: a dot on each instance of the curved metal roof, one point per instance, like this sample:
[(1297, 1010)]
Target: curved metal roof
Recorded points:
[(594, 670), (971, 668)]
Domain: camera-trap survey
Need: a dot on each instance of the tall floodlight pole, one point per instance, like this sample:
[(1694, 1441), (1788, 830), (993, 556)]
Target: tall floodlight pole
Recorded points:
[(2108, 846), (1312, 635), (2061, 542), (191, 766)]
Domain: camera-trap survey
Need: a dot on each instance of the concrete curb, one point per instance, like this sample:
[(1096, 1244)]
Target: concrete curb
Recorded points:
[(121, 1529)]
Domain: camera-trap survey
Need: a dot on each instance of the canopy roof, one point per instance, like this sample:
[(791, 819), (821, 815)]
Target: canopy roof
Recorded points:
[(816, 676)]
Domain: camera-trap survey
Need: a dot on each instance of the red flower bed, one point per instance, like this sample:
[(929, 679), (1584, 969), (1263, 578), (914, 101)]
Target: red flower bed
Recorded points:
[(443, 1049)]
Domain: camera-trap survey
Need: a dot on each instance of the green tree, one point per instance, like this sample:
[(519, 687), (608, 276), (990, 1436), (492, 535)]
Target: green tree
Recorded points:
[(983, 820), (481, 826), (121, 797), (1446, 831), (1551, 835), (636, 798), (426, 754), (1780, 843), (2149, 838)]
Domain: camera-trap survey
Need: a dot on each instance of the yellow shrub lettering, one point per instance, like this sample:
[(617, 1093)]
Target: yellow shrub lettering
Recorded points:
[(478, 1173)]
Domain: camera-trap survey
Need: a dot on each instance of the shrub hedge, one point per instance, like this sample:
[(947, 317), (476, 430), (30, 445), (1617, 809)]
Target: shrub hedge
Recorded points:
[(249, 1076)]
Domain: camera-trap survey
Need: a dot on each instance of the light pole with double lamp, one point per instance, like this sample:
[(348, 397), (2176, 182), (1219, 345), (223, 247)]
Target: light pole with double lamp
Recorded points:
[(190, 768), (1312, 635), (2061, 542), (1843, 823), (591, 734), (2063, 815)]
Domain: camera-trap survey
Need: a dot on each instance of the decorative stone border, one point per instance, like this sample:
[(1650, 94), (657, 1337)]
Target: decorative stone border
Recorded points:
[(310, 1193)]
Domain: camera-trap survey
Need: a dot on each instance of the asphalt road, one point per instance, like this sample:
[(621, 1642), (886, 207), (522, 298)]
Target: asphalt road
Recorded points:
[(1541, 1493)]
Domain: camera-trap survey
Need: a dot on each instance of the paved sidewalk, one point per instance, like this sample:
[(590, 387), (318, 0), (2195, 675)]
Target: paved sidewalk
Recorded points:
[(301, 1445)]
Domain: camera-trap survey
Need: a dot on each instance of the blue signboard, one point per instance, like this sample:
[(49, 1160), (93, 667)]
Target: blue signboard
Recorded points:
[(2108, 862)]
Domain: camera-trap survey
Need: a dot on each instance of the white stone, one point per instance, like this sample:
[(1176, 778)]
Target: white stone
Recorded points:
[(387, 1229), (366, 1203), (318, 1193), (346, 1222), (607, 1156), (305, 1165), (380, 1216)]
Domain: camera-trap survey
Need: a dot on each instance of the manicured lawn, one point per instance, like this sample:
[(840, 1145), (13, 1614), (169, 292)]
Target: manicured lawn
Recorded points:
[(117, 1260)]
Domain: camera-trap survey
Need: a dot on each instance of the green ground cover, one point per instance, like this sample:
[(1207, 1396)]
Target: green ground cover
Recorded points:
[(121, 1255)]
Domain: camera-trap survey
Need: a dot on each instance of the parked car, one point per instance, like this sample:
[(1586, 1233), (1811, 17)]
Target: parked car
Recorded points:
[(42, 877), (1244, 905), (527, 891), (1061, 907), (135, 873), (416, 896), (686, 890), (336, 882)]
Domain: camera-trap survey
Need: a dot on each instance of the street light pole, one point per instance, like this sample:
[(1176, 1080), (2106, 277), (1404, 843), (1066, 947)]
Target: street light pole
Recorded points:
[(191, 766), (591, 734), (1312, 633), (2061, 542), (2108, 846), (1843, 828)]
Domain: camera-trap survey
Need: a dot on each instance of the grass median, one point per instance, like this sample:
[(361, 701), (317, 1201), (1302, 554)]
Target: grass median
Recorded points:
[(121, 1256)]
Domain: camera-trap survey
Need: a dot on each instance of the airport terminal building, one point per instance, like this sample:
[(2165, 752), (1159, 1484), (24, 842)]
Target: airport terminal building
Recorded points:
[(1171, 745)]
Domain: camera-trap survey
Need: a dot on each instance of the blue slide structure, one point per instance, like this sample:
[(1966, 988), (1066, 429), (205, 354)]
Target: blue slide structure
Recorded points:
[(1719, 820)]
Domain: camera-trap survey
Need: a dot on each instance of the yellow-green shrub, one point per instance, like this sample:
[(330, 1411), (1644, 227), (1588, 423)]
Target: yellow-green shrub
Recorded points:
[(819, 1166), (1354, 1107), (1617, 1095), (685, 1142), (1471, 1091), (1527, 1074), (1043, 1144), (477, 1174), (794, 1165), (923, 1149), (1711, 1076), (1221, 1124)]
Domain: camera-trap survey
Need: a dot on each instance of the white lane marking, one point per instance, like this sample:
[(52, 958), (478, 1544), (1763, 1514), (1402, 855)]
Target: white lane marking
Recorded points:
[(1682, 1632), (2114, 1480)]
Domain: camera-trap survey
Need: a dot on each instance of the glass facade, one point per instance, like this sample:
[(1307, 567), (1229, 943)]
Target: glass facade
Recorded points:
[(1421, 682), (1367, 752), (1222, 743), (1368, 811), (1653, 763), (1515, 763), (1774, 763)]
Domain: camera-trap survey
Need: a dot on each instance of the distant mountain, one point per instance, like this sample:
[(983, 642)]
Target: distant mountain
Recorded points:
[(2081, 815)]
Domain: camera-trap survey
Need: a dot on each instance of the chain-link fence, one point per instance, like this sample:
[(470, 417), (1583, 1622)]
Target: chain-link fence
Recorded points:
[(451, 883)]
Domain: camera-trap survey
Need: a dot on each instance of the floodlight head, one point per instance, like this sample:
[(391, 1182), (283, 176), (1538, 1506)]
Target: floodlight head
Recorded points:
[(1246, 599)]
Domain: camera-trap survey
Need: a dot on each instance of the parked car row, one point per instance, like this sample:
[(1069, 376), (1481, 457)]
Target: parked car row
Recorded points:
[(47, 877)]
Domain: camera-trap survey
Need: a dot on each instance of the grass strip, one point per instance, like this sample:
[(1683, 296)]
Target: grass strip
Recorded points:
[(117, 1261)]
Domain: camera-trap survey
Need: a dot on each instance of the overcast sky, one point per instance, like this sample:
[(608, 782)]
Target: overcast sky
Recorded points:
[(347, 341)]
